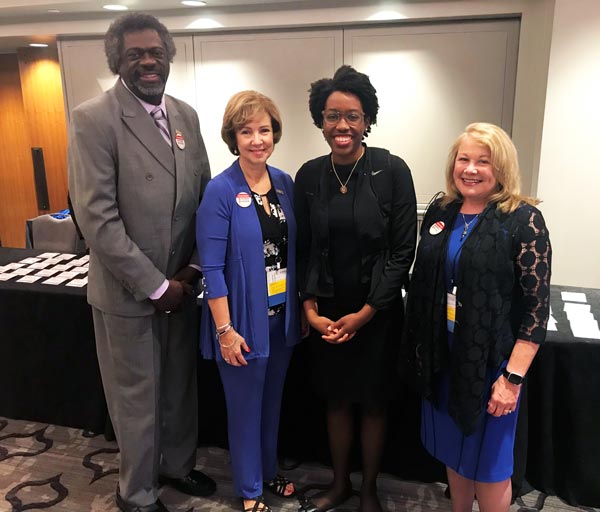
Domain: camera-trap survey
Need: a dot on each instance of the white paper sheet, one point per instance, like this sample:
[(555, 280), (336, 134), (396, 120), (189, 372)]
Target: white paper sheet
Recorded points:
[(22, 271), (54, 281), (28, 261), (47, 272), (79, 283), (573, 296), (29, 279)]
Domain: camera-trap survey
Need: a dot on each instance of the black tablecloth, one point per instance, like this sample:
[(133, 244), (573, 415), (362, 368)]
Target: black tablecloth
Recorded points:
[(50, 374), (49, 368), (564, 410)]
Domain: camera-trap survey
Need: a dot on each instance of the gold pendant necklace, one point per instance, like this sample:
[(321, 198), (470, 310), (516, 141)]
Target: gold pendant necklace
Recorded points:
[(343, 187)]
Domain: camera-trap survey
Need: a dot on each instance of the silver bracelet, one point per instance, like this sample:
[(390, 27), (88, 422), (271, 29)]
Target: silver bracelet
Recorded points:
[(228, 324), (220, 332), (230, 345)]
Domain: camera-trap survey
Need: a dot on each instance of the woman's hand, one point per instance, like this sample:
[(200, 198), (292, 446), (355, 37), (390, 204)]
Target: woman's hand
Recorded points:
[(504, 397), (344, 329), (232, 344), (319, 323)]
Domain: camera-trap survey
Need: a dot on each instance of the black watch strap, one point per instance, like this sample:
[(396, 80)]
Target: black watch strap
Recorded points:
[(513, 378)]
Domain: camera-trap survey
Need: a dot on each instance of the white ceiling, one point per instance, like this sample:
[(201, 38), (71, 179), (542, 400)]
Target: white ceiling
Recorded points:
[(19, 12)]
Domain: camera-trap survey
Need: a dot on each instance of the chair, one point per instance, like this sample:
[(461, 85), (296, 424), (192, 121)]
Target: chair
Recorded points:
[(47, 233)]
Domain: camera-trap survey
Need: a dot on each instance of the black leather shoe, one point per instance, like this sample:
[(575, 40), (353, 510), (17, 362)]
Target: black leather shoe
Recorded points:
[(195, 483), (128, 507)]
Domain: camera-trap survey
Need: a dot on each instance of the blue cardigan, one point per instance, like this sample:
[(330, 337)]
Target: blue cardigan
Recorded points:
[(230, 248)]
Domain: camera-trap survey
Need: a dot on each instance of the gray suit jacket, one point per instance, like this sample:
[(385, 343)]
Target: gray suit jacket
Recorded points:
[(134, 197)]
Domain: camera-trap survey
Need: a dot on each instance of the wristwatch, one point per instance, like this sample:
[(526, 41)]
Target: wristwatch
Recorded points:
[(513, 378)]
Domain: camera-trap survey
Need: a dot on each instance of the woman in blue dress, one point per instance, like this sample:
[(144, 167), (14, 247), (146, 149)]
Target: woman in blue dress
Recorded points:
[(477, 311)]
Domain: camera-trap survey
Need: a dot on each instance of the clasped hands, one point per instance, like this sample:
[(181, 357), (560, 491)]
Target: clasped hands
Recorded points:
[(342, 330), (180, 286)]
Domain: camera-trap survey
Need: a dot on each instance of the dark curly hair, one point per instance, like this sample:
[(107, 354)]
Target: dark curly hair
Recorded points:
[(133, 22), (345, 79)]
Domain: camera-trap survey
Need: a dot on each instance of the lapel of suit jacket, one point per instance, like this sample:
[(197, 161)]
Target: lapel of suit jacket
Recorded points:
[(176, 125), (143, 128)]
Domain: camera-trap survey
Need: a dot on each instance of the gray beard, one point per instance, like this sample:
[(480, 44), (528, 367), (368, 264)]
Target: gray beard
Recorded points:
[(154, 90)]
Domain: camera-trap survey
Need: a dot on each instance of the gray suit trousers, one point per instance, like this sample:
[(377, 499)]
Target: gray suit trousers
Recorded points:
[(148, 368)]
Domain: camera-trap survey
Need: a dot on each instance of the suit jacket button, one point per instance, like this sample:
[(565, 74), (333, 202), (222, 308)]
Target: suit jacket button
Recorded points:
[(149, 177)]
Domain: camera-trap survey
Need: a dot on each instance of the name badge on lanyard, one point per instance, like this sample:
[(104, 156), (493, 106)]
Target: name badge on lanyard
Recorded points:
[(451, 309), (276, 285)]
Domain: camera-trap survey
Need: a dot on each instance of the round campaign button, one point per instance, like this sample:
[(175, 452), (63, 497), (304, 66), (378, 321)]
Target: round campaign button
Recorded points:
[(243, 199), (437, 228), (179, 140)]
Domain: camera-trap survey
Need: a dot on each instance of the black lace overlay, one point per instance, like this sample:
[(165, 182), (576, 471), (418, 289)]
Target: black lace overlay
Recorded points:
[(503, 290)]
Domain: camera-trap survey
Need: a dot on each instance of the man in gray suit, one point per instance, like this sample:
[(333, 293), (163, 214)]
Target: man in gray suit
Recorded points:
[(137, 169)]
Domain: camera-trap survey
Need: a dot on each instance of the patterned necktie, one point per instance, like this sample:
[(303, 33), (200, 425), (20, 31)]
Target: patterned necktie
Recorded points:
[(161, 122)]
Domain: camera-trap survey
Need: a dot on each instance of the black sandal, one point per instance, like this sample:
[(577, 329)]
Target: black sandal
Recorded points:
[(278, 485), (259, 505)]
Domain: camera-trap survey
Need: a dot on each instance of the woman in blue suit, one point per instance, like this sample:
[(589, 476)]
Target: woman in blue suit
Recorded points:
[(246, 234)]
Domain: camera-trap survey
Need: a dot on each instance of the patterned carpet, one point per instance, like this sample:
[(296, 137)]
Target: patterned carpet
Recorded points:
[(46, 467)]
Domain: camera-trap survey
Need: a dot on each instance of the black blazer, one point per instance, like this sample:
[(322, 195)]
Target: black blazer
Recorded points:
[(385, 216), (503, 287)]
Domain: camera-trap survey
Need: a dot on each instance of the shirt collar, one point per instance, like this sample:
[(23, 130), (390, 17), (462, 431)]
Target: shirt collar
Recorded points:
[(149, 107)]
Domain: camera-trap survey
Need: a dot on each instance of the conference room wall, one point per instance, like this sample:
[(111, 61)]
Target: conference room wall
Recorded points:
[(537, 18), (31, 102), (534, 42), (428, 76), (569, 181), (17, 192)]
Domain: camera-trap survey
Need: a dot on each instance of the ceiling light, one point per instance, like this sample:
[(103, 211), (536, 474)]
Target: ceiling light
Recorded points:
[(53, 11), (204, 23), (193, 3), (38, 45), (386, 15), (115, 7)]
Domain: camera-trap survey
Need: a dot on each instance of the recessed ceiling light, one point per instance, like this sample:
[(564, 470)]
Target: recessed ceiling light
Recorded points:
[(204, 23), (386, 15), (38, 45), (115, 7), (193, 3), (53, 11)]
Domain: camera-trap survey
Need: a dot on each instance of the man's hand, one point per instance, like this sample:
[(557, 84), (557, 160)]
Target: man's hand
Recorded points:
[(172, 299), (188, 275)]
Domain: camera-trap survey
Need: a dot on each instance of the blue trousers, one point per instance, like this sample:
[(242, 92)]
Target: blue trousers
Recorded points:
[(253, 396)]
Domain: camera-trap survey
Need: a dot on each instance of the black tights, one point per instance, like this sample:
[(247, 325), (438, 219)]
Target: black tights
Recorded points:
[(340, 427)]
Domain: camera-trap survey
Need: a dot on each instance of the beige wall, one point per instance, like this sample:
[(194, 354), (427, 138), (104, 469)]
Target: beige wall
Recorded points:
[(536, 27), (557, 135), (569, 177)]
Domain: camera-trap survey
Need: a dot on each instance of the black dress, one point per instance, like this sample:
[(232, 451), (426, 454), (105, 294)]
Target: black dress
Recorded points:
[(363, 369)]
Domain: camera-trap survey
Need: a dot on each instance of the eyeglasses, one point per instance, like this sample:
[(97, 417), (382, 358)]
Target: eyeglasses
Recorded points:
[(333, 116)]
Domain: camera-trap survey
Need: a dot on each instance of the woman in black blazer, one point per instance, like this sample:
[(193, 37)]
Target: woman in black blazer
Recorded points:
[(356, 216)]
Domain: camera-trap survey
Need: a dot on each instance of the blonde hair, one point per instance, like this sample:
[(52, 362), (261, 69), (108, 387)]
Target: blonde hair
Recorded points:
[(241, 109), (505, 164)]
